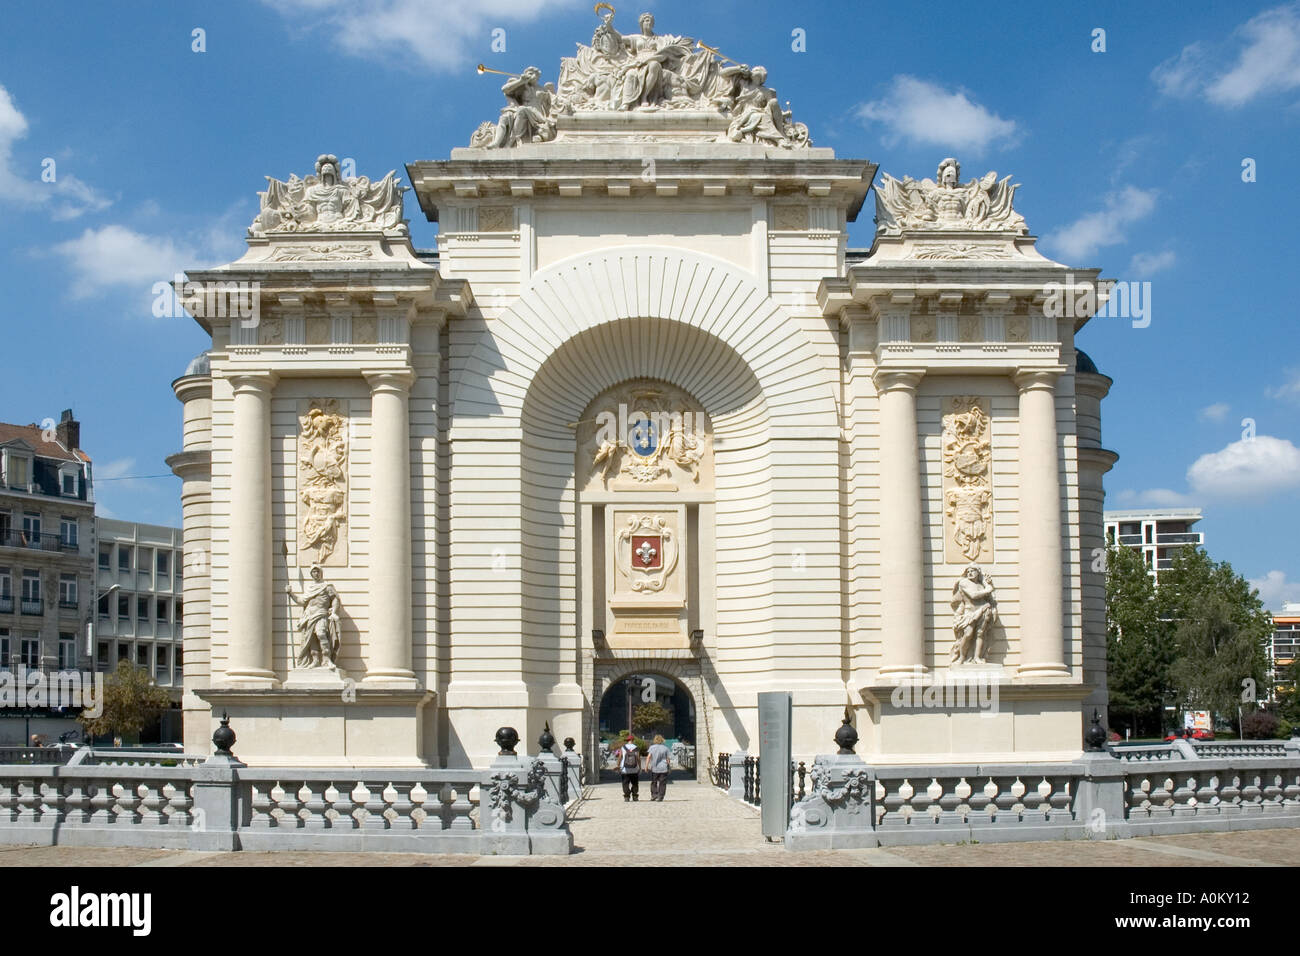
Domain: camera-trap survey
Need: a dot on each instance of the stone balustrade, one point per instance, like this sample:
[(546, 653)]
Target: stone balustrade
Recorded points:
[(225, 806), (1126, 792)]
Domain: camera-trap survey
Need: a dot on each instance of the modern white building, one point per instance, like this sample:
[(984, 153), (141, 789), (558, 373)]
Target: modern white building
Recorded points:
[(1284, 647), (141, 620), (1156, 534), (640, 414)]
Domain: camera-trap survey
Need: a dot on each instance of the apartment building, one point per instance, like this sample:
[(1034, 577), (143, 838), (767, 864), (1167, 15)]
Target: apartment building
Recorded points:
[(47, 548), (1283, 647), (1156, 534)]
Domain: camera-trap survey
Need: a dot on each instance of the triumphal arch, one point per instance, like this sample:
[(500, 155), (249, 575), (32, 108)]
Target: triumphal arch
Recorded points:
[(641, 412)]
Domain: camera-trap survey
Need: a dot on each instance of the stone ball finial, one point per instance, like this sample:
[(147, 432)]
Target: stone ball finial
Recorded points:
[(506, 739), (569, 744), (1094, 737), (547, 739), (223, 738), (846, 737)]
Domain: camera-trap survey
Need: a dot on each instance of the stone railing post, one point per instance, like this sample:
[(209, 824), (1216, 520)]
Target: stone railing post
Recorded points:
[(221, 800), (737, 761), (839, 812), (1099, 798)]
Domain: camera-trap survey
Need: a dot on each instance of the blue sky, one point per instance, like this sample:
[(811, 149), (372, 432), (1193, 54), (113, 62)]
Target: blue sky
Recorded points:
[(1131, 160)]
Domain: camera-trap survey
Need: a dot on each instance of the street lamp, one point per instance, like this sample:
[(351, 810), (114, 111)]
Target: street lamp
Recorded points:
[(90, 623)]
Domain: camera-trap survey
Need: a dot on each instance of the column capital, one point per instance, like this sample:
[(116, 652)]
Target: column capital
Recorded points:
[(1036, 379), (897, 379), (252, 381), (390, 380)]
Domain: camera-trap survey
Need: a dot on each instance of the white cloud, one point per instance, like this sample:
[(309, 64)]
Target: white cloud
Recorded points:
[(1155, 498), (1218, 412), (1275, 590), (1289, 390), (116, 469), (67, 197), (115, 256), (1149, 263), (1267, 51), (438, 34), (925, 113), (1105, 227), (1246, 468)]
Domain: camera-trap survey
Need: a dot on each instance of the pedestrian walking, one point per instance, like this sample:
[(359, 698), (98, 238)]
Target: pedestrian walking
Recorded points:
[(656, 764), (629, 767)]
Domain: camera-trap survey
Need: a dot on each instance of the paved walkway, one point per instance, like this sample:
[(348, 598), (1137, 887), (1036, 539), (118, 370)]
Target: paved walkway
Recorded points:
[(697, 825)]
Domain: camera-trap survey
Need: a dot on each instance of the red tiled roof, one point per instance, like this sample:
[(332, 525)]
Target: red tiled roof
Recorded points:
[(44, 449)]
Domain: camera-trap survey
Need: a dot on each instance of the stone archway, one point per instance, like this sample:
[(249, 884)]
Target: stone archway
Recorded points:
[(690, 674)]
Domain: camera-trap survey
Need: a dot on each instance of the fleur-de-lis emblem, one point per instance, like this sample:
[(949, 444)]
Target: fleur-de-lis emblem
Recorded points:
[(646, 552)]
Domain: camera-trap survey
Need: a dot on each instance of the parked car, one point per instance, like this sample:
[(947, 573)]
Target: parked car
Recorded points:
[(1188, 734)]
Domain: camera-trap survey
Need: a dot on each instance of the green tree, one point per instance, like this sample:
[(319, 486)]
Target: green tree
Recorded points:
[(650, 717), (132, 701), (1219, 627), (1139, 646)]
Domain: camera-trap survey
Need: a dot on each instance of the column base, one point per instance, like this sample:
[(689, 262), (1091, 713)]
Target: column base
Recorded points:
[(394, 679), (252, 678), (1043, 670), (903, 670)]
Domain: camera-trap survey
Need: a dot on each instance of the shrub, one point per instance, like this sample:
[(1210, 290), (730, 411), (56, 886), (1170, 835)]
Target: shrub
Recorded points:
[(1259, 725)]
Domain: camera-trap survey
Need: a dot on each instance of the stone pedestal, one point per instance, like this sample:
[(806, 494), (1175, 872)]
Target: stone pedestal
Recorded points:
[(839, 813)]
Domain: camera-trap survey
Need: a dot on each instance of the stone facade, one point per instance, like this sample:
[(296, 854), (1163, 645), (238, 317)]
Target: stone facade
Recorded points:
[(773, 445)]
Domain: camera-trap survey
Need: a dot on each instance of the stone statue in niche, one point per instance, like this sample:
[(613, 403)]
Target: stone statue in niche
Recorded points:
[(318, 629), (322, 481), (968, 491), (975, 611)]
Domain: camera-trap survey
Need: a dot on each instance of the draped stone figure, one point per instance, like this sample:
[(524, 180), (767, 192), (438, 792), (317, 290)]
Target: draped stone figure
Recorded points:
[(318, 628), (975, 611)]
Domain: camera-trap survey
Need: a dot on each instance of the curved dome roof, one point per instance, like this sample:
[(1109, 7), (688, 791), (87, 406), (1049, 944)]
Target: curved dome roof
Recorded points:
[(201, 364), (1084, 363)]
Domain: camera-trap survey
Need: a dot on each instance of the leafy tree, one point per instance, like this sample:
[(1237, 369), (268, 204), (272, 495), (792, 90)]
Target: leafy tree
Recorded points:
[(1139, 646), (650, 717), (132, 701), (1219, 627)]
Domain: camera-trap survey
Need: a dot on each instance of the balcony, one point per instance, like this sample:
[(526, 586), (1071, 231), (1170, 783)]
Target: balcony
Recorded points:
[(1180, 537), (1130, 539), (32, 606), (14, 538), (6, 605), (68, 605)]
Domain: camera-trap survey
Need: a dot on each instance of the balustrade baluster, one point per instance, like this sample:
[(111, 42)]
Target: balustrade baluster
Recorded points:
[(151, 802)]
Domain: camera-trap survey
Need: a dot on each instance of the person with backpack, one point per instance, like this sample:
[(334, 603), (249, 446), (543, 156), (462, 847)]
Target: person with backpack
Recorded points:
[(629, 768)]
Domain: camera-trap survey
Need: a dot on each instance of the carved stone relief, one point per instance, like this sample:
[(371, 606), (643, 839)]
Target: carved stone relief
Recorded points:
[(981, 204), (967, 481), (326, 202), (645, 437), (322, 484)]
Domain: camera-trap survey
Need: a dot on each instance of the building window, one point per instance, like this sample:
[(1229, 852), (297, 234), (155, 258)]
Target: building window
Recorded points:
[(6, 592), (123, 558), (17, 471), (68, 532), (162, 610), (123, 607), (105, 557), (67, 651), (164, 561), (180, 660), (69, 483), (6, 527), (4, 647), (29, 649), (179, 606), (142, 609), (101, 655), (142, 656), (67, 590), (123, 652), (32, 530), (103, 606), (160, 663), (31, 593)]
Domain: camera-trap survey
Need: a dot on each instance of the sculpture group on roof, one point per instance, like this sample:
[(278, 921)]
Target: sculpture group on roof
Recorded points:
[(645, 72), (326, 202), (981, 204)]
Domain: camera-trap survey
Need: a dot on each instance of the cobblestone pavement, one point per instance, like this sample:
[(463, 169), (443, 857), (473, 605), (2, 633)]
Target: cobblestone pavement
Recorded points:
[(697, 825)]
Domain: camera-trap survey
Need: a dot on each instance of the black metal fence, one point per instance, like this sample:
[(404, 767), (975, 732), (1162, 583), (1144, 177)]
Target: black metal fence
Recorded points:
[(720, 772), (753, 782)]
